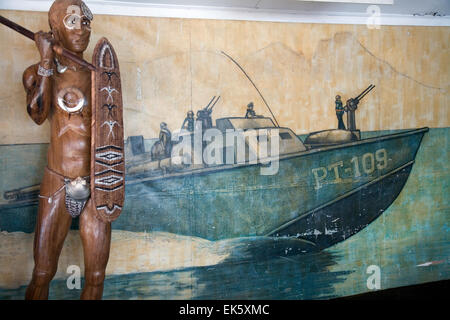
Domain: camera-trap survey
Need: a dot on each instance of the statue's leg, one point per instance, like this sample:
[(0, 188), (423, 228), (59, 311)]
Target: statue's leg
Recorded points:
[(53, 223), (96, 238)]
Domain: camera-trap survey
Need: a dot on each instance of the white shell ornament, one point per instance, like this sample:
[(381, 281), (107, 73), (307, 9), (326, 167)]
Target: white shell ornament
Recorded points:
[(71, 100), (78, 189)]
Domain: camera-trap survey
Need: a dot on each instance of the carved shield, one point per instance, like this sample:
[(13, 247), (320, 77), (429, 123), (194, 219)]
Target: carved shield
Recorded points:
[(107, 147)]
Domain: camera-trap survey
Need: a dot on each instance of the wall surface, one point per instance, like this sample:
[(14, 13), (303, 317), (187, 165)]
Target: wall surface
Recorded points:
[(170, 66)]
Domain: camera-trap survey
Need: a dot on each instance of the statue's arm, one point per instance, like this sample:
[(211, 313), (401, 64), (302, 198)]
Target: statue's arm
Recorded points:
[(38, 90), (38, 85)]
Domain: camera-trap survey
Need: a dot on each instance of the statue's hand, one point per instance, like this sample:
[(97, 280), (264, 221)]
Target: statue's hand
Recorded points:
[(44, 42)]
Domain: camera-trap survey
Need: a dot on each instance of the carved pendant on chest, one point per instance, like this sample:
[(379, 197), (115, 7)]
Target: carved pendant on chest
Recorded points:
[(71, 100)]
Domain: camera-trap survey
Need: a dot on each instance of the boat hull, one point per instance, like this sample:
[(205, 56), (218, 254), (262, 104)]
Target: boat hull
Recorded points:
[(346, 216), (240, 202)]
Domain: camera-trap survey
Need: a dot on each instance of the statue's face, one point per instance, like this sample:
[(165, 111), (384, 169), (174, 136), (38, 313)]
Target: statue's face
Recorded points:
[(74, 28)]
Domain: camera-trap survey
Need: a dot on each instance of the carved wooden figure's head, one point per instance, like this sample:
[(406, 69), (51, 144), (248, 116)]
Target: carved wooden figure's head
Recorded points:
[(70, 22)]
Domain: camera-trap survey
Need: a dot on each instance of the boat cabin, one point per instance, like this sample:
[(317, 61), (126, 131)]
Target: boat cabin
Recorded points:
[(259, 127), (251, 142)]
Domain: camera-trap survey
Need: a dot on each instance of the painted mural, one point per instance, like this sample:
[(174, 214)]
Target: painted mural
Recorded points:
[(359, 177)]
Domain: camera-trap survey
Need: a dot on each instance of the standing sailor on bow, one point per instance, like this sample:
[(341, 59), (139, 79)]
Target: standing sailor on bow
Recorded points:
[(339, 112), (59, 90)]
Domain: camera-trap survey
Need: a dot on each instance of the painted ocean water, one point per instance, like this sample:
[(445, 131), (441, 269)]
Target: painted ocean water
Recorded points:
[(409, 242)]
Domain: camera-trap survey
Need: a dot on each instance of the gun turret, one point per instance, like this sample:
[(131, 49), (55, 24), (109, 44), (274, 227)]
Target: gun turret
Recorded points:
[(206, 108), (352, 105), (210, 109), (363, 94), (204, 115)]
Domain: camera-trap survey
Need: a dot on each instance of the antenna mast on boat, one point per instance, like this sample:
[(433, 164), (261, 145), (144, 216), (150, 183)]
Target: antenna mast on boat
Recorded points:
[(253, 85)]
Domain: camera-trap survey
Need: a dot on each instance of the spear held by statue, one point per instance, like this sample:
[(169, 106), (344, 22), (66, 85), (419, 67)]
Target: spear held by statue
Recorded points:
[(57, 48)]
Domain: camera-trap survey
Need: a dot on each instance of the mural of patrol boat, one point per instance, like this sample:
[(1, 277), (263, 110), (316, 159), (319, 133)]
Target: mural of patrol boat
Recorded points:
[(320, 194), (323, 195)]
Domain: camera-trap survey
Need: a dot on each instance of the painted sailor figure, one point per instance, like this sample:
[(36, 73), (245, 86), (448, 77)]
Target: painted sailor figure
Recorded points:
[(58, 90), (339, 112), (165, 138), (189, 122), (250, 112)]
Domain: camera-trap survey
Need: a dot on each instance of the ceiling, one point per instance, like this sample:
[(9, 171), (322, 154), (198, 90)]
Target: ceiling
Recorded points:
[(404, 7), (401, 12)]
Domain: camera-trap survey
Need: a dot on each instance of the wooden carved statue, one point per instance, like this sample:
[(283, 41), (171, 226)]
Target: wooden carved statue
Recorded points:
[(85, 171)]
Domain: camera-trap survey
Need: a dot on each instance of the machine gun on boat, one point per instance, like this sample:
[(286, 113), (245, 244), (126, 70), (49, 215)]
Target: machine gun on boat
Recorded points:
[(362, 94), (339, 136), (204, 115), (352, 105)]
